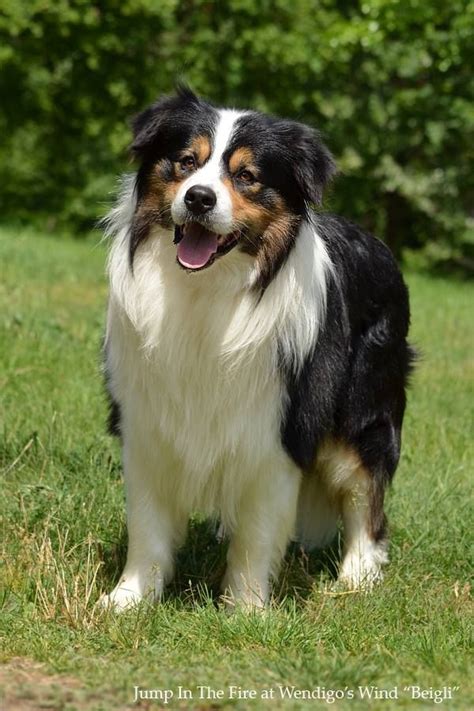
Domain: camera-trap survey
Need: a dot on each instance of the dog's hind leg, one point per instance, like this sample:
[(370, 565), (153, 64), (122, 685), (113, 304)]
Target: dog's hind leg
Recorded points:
[(360, 493), (365, 547), (318, 514)]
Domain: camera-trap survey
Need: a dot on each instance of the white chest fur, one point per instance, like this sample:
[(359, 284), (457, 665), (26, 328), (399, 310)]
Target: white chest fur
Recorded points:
[(180, 374), (198, 397), (193, 359)]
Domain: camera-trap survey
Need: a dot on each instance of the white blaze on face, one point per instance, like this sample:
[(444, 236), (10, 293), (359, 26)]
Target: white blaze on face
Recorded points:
[(210, 175)]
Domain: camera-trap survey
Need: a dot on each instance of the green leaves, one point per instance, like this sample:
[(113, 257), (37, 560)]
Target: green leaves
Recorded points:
[(388, 83)]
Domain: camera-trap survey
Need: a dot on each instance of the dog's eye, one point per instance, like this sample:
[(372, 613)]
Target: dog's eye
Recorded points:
[(187, 163), (246, 177)]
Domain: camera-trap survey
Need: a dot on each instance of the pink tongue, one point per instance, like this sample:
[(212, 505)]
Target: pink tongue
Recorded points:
[(197, 246)]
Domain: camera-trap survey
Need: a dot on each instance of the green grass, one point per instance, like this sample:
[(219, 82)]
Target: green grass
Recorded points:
[(64, 530)]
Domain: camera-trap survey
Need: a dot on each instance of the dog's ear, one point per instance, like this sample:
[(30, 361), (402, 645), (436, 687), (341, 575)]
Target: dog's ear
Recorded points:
[(154, 128), (314, 165)]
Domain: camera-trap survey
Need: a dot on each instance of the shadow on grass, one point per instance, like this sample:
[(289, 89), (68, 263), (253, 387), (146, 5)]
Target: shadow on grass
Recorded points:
[(200, 567), (113, 558)]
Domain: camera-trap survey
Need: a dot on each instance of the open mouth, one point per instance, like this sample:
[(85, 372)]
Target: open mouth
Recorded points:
[(198, 247)]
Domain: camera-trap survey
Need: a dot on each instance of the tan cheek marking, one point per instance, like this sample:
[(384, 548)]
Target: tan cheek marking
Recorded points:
[(170, 192), (245, 212), (270, 231), (240, 158), (275, 238), (159, 195), (275, 243)]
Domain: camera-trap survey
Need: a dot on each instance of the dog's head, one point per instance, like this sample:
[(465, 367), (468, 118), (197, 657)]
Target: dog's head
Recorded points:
[(223, 179)]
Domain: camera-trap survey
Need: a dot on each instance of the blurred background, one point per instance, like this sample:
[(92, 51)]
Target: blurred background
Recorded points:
[(389, 83)]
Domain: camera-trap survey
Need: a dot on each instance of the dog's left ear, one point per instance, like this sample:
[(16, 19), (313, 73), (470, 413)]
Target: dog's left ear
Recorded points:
[(314, 164)]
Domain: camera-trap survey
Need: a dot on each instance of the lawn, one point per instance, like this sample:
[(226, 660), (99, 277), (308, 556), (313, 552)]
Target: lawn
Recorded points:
[(64, 531)]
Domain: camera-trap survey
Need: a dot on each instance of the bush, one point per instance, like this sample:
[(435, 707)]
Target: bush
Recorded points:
[(388, 82)]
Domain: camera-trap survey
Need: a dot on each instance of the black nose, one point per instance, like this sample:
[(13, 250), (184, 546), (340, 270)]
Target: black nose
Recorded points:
[(200, 199)]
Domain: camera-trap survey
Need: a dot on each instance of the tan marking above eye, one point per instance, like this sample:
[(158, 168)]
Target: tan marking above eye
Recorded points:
[(242, 157), (200, 146)]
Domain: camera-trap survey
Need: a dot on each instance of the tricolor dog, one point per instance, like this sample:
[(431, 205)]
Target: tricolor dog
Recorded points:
[(255, 351)]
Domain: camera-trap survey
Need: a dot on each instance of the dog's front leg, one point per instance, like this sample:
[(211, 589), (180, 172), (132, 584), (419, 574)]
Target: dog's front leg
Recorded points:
[(265, 525), (156, 527)]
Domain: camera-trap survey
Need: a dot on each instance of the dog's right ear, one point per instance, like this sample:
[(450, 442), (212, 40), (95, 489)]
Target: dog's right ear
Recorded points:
[(154, 128)]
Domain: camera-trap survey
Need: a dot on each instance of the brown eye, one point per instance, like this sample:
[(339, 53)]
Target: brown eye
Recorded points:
[(247, 177), (187, 163)]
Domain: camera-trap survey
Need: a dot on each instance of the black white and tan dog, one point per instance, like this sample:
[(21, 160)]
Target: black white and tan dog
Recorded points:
[(256, 351)]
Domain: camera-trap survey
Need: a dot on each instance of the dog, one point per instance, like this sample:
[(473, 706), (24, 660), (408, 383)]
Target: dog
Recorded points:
[(255, 351)]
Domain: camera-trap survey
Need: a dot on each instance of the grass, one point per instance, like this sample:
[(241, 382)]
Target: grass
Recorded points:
[(64, 538)]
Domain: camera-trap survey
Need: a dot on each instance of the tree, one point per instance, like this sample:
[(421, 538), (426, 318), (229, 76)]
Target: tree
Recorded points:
[(388, 82)]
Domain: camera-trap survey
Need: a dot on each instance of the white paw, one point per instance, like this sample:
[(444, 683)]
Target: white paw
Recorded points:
[(243, 596), (359, 572), (359, 579), (120, 599), (232, 603)]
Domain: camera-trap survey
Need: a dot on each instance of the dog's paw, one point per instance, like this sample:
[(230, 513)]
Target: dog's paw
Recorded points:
[(358, 573), (361, 568), (232, 604), (120, 599), (243, 598)]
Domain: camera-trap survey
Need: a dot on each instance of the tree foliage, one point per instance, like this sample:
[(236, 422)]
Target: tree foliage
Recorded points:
[(388, 82)]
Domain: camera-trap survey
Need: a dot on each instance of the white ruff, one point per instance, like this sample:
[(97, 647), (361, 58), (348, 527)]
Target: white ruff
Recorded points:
[(195, 355)]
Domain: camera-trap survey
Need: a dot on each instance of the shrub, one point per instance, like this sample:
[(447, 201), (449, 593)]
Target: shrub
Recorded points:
[(388, 82)]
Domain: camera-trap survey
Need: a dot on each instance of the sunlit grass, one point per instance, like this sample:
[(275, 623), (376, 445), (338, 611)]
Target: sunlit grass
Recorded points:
[(63, 531)]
